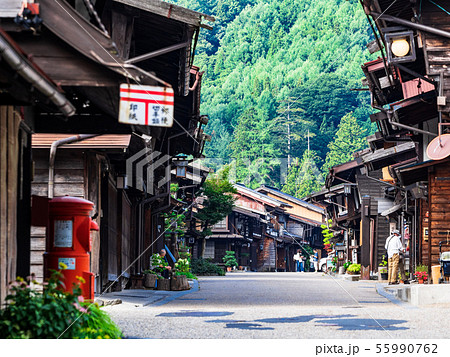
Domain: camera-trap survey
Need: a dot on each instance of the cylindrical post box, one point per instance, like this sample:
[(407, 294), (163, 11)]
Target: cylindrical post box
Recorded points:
[(68, 241)]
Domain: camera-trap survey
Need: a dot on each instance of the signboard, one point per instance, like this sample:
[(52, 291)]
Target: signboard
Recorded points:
[(146, 105), (63, 234)]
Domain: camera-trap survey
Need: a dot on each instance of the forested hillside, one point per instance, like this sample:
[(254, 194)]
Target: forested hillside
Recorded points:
[(278, 71)]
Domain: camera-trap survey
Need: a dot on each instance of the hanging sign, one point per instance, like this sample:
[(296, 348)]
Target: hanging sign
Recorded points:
[(146, 105)]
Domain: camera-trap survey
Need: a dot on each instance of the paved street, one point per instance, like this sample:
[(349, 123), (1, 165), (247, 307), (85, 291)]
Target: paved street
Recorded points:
[(280, 305)]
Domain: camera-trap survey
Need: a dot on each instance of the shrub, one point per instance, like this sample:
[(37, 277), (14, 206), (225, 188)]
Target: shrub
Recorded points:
[(354, 268), (52, 313), (347, 264), (230, 259), (421, 268), (182, 265), (188, 274), (205, 267), (158, 263)]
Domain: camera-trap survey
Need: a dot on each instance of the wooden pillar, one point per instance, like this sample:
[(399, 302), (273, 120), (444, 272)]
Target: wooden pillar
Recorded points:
[(365, 231), (9, 129)]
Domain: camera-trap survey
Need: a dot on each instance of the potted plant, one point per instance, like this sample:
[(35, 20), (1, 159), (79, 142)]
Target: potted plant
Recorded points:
[(382, 268), (346, 265), (421, 273), (179, 280), (354, 269), (334, 262), (162, 284), (230, 260), (159, 265), (150, 278)]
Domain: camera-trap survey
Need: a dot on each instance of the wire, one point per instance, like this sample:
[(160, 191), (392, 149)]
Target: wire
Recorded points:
[(439, 6)]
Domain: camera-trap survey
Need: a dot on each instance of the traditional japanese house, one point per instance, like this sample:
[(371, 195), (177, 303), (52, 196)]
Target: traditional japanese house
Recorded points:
[(255, 230), (272, 248), (237, 232), (67, 80), (22, 84), (411, 89), (302, 226)]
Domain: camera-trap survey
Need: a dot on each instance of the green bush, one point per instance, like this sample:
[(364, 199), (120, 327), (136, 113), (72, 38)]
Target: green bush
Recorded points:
[(205, 267), (188, 274), (354, 268), (182, 265), (52, 313), (421, 268), (230, 259), (158, 263), (347, 264)]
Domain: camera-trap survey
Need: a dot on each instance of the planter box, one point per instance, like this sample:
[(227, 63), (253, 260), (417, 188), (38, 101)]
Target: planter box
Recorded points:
[(150, 281), (137, 282), (179, 282), (163, 284)]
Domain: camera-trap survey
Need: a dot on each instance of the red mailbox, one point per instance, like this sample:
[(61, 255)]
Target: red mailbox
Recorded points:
[(69, 241)]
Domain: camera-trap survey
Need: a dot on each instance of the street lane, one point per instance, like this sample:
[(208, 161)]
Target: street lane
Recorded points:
[(281, 305)]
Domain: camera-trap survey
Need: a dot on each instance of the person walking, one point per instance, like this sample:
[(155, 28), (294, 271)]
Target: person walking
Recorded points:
[(302, 263), (315, 260), (297, 261), (393, 246)]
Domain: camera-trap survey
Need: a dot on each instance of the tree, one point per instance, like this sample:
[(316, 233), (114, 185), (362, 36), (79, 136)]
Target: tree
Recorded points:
[(349, 138), (304, 177), (218, 202), (261, 52), (256, 158)]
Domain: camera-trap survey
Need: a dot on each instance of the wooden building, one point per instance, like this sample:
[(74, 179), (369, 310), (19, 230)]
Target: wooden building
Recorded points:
[(411, 90), (264, 231), (66, 81), (360, 197), (301, 227), (86, 169)]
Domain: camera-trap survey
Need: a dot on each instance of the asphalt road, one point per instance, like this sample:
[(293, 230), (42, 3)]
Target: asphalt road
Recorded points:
[(281, 306)]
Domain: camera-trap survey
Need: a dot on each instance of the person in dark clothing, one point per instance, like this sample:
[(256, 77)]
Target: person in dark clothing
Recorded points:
[(166, 272)]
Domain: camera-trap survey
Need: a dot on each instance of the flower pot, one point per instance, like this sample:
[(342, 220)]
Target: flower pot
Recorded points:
[(150, 281), (228, 269), (420, 281), (179, 282), (137, 282), (163, 284), (384, 276)]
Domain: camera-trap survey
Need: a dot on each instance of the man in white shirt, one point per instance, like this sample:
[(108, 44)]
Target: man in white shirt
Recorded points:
[(393, 246)]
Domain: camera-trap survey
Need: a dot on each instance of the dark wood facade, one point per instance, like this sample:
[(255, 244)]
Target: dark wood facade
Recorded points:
[(68, 82)]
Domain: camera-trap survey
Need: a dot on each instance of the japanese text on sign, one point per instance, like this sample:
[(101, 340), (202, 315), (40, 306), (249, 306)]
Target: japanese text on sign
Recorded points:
[(146, 105)]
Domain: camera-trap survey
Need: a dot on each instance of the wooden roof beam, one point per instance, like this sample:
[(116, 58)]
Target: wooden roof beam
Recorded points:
[(171, 11)]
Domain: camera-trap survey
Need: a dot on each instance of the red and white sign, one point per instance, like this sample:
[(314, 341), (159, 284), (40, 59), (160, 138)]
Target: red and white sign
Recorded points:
[(146, 105)]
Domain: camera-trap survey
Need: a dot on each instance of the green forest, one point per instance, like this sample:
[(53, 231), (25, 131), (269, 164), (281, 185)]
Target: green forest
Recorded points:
[(280, 88)]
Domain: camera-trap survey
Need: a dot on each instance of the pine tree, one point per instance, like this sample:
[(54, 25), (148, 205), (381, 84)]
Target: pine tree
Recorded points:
[(349, 138), (304, 177)]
